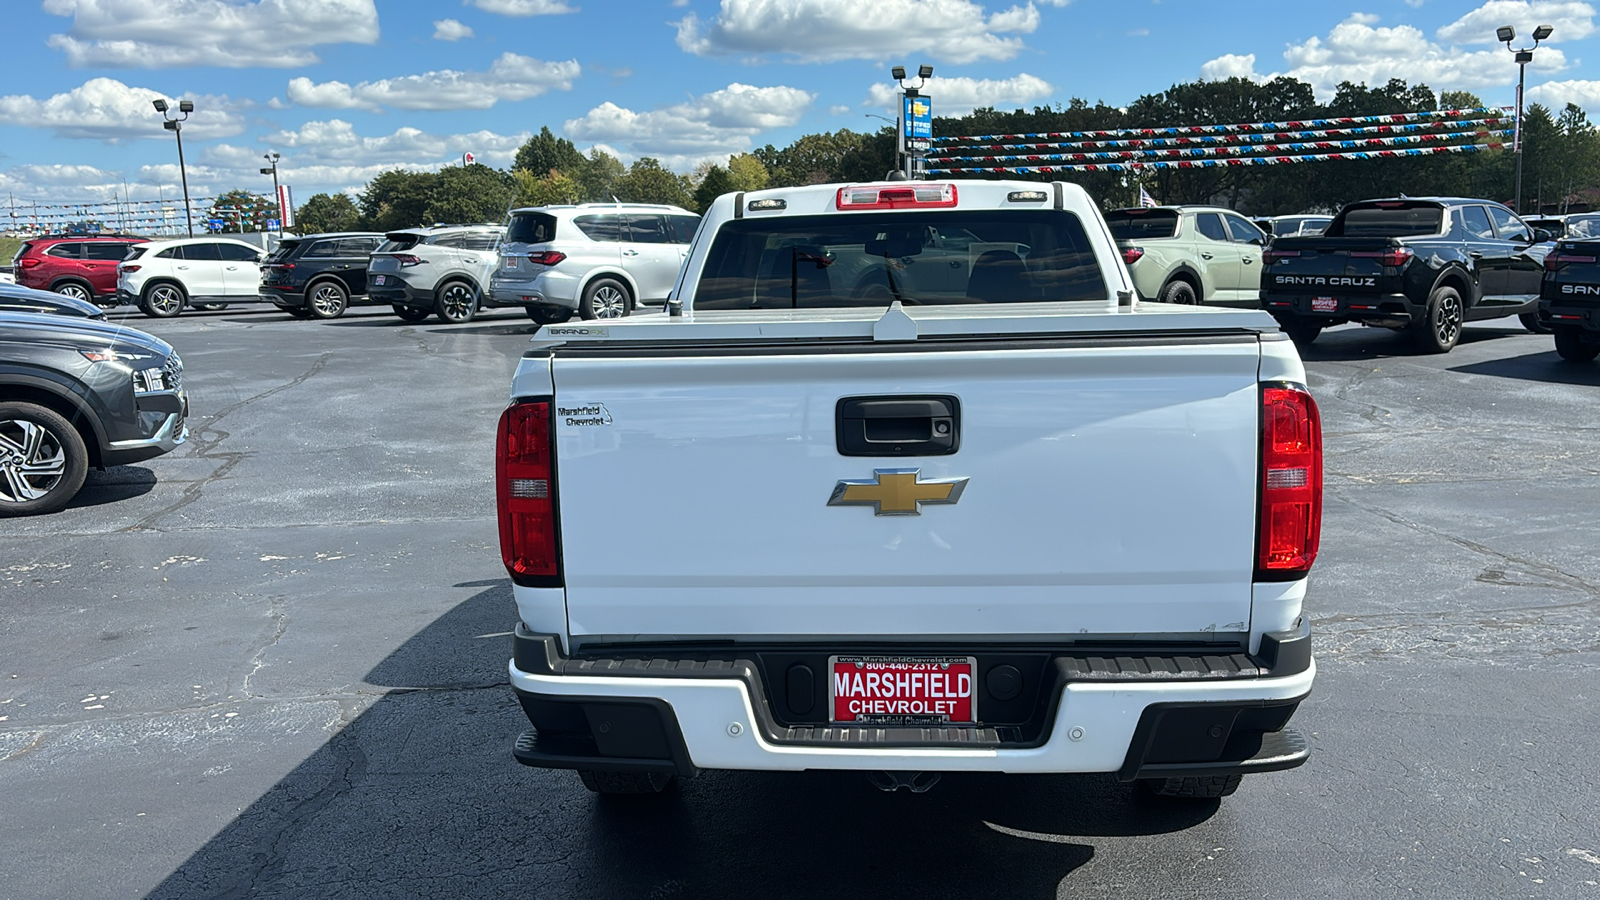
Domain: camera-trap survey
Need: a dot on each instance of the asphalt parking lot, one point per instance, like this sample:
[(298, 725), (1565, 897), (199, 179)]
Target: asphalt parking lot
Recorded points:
[(273, 664)]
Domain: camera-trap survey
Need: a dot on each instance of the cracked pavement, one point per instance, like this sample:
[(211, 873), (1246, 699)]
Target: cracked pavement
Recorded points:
[(272, 664)]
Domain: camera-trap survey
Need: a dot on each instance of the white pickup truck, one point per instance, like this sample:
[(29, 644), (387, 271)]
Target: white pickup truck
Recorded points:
[(906, 481)]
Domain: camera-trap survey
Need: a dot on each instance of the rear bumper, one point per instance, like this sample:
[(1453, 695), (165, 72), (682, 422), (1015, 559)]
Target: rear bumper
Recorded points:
[(548, 288), (1391, 308), (1585, 317), (285, 298), (1138, 716), (401, 294)]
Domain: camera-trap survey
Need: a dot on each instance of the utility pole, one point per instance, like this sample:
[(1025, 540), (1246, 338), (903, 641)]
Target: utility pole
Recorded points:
[(277, 195), (175, 125), (1507, 34)]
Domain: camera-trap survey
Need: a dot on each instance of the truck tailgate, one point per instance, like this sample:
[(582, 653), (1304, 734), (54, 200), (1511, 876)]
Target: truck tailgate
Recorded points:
[(1339, 266), (1112, 485)]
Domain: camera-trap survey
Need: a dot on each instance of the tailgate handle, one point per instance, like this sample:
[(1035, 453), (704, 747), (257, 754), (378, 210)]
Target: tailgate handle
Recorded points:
[(920, 425)]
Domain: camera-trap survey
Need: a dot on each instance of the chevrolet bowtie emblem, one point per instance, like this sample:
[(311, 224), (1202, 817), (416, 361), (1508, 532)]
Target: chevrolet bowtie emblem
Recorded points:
[(897, 492)]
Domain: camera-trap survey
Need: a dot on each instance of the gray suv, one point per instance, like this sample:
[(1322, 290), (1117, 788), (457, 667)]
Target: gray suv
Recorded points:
[(441, 270), (599, 260)]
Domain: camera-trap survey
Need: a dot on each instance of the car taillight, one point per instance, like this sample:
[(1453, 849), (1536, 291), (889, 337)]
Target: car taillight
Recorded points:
[(525, 489), (29, 262), (127, 268), (1398, 256), (278, 266), (405, 259), (1269, 257), (1289, 520), (546, 258), (920, 196), (1556, 260), (1131, 255)]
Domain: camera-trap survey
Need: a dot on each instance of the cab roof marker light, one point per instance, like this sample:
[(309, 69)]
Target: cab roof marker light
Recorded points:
[(770, 203), (1027, 196)]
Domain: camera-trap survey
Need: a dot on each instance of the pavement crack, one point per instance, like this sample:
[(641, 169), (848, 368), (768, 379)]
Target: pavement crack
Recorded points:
[(280, 619)]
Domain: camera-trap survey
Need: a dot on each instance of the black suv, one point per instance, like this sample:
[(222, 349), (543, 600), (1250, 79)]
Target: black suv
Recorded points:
[(319, 275), (76, 393)]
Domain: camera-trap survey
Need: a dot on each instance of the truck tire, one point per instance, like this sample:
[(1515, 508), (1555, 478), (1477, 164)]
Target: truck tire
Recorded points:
[(1531, 322), (43, 460), (1209, 787), (1573, 346), (548, 315), (1440, 329), (327, 300), (162, 300), (625, 782), (604, 298), (411, 313), (1180, 292)]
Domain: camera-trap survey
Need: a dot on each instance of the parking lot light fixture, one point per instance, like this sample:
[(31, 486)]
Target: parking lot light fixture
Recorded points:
[(272, 158), (1506, 34), (174, 124)]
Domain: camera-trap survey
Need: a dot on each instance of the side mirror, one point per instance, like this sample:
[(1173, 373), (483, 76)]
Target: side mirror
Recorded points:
[(1540, 235)]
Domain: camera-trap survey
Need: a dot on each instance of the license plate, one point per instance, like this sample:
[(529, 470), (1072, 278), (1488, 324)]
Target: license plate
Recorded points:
[(903, 690), (512, 262), (1325, 304), (377, 279)]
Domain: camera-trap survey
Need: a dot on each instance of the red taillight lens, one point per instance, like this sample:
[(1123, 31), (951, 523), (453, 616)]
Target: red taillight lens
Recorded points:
[(546, 258), (1393, 257), (278, 266), (406, 259), (927, 196), (1556, 260), (525, 489), (1289, 523), (1131, 255), (128, 268), (29, 262)]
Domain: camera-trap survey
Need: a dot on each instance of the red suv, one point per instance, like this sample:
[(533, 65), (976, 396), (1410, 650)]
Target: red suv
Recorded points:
[(78, 265)]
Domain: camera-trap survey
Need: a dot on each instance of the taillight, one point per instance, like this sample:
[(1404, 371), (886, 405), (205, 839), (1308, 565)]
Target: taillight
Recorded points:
[(406, 259), (1131, 255), (127, 268), (1289, 521), (1556, 260), (1396, 256), (278, 266), (1269, 257), (907, 196), (525, 489), (29, 262), (546, 258)]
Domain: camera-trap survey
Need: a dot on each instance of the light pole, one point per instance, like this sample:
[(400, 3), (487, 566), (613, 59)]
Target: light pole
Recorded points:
[(175, 125), (1507, 34), (272, 162), (911, 147)]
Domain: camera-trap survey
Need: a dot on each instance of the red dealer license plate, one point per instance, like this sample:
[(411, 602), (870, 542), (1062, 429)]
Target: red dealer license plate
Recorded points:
[(1325, 304), (903, 690)]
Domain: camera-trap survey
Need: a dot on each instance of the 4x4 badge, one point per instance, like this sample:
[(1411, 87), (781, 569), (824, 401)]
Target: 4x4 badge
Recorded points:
[(897, 492)]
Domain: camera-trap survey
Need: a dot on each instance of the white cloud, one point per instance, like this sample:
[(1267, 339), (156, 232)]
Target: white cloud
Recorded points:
[(335, 141), (511, 77), (450, 30), (1361, 51), (717, 123), (1572, 21), (522, 7), (1557, 94), (959, 96), (107, 109), (838, 109), (157, 34), (957, 31)]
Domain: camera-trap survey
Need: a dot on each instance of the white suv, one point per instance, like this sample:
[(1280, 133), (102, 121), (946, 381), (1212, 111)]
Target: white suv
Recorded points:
[(163, 277), (440, 270), (599, 260)]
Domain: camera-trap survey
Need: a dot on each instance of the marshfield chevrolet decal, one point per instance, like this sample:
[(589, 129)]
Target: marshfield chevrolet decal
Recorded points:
[(897, 492)]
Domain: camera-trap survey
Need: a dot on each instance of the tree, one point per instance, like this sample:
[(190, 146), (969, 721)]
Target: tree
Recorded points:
[(544, 153), (555, 187), (327, 212), (598, 176), (647, 181), (396, 199), (473, 193), (716, 182), (240, 210), (746, 173)]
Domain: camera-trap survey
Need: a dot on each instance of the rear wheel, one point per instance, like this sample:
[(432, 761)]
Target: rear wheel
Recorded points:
[(1531, 322), (1302, 332), (457, 302), (43, 460), (1180, 292), (604, 298), (1209, 787), (1576, 346), (296, 312), (625, 782), (411, 313), (1440, 329), (211, 307), (546, 315), (75, 290), (162, 301), (327, 300)]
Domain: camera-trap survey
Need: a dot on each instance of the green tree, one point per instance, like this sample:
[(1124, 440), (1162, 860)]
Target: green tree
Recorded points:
[(463, 194), (598, 176), (396, 199), (240, 210), (327, 212), (647, 181), (746, 173), (552, 188), (544, 153), (716, 182)]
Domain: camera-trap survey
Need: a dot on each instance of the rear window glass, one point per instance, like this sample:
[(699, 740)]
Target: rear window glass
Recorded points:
[(66, 251), (284, 251), (397, 243), (479, 240), (136, 252), (1583, 227), (1395, 220), (323, 250), (925, 257), (170, 253), (531, 228), (1141, 224), (237, 253), (21, 252), (600, 228), (682, 228)]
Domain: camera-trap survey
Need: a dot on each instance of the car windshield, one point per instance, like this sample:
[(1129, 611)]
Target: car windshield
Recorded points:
[(920, 257), (1388, 219), (1141, 224)]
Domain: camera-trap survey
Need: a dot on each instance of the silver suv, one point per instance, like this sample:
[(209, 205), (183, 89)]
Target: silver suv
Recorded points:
[(599, 260), (441, 270)]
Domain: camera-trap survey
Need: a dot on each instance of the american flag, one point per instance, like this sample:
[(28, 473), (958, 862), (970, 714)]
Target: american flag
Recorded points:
[(1145, 199)]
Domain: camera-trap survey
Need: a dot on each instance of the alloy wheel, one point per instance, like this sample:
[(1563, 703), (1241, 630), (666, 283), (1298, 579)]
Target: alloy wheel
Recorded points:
[(456, 302), (328, 301), (32, 461), (165, 300), (75, 291), (609, 303), (1447, 319)]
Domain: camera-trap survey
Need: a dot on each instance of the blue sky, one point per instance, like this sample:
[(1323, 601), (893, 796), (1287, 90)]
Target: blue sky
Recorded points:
[(347, 88)]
